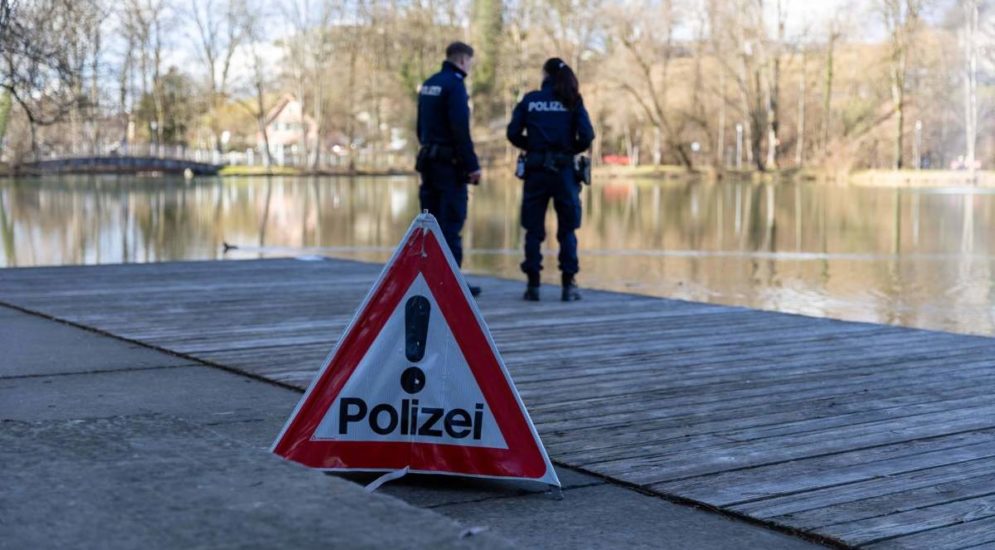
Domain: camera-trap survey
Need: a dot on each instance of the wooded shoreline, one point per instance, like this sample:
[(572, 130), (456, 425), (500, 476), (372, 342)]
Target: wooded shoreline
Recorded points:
[(866, 178)]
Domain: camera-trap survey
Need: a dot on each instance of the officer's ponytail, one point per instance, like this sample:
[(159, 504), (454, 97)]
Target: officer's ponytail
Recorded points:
[(565, 85)]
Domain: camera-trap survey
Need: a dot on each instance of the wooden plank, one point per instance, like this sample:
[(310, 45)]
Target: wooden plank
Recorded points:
[(966, 481), (656, 463), (914, 521), (737, 424), (768, 491), (867, 497)]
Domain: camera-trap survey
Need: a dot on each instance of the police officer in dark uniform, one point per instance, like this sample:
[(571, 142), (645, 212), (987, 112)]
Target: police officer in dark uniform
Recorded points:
[(552, 126), (446, 160)]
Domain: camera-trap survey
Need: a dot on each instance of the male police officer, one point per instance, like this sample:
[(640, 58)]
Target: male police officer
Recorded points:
[(446, 159)]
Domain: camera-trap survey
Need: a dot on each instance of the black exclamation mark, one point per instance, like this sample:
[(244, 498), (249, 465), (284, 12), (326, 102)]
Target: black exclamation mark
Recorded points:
[(416, 314)]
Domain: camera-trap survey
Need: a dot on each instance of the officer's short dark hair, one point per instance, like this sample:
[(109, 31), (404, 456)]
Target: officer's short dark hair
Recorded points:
[(458, 48)]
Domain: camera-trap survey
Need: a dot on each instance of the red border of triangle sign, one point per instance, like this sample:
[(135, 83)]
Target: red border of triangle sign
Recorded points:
[(422, 251)]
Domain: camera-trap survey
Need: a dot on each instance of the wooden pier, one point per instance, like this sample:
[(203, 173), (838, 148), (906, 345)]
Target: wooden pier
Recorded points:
[(870, 435)]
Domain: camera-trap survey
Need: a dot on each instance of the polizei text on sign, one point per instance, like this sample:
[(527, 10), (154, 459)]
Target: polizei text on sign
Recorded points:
[(411, 419)]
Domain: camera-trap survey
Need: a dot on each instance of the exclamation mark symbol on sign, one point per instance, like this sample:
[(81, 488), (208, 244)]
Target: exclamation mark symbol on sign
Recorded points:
[(416, 314)]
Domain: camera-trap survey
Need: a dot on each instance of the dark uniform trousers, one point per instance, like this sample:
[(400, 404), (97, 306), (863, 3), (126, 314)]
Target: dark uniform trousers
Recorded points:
[(564, 189), (443, 193)]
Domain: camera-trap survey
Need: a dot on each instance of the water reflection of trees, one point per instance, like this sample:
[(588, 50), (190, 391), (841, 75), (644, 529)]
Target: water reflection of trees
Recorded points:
[(738, 243)]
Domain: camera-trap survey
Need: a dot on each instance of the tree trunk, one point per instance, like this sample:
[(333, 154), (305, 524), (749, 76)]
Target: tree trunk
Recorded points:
[(94, 111), (971, 83), (351, 119), (34, 139), (800, 145), (267, 157), (757, 123), (720, 141), (774, 94), (827, 96), (319, 92), (898, 99), (5, 104), (683, 155), (657, 147)]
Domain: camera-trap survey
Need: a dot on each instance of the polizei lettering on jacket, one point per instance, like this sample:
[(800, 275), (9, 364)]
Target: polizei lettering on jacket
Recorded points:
[(430, 90), (411, 418), (547, 106)]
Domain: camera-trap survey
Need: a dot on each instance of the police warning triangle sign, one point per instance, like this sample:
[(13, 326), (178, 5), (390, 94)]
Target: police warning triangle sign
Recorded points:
[(416, 382)]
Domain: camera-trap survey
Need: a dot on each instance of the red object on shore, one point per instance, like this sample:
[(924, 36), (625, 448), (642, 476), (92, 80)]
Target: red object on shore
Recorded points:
[(616, 160)]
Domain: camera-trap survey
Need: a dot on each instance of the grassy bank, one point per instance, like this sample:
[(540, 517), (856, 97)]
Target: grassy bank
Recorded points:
[(923, 178), (869, 178), (258, 171), (705, 173), (242, 171)]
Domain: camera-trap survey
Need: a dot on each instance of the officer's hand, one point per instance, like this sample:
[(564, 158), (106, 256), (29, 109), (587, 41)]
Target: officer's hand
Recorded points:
[(474, 178)]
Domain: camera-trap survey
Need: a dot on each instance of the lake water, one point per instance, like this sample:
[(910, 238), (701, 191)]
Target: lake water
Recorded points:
[(914, 257)]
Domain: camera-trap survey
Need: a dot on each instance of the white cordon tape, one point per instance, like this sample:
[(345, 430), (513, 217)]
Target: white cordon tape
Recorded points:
[(389, 476)]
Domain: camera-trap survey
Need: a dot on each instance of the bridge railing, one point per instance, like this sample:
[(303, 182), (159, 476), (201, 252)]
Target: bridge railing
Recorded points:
[(280, 156), (146, 150)]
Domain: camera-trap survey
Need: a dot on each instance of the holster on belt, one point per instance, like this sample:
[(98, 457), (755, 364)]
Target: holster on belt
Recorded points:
[(548, 161), (433, 152), (582, 169)]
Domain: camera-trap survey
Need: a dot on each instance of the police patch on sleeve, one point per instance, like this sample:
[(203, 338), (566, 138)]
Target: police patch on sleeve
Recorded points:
[(430, 90)]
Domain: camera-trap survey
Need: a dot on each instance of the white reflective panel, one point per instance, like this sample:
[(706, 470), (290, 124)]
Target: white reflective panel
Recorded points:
[(448, 409)]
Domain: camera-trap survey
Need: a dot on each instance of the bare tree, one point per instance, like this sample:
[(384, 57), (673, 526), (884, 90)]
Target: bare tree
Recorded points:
[(307, 52), (219, 33), (901, 19), (41, 65), (348, 44), (718, 51), (125, 83), (833, 35), (146, 21), (738, 29), (82, 42), (649, 43), (802, 96), (259, 74), (774, 87), (571, 26), (970, 42)]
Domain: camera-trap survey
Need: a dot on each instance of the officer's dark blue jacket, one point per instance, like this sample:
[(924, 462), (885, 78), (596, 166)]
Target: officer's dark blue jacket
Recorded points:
[(444, 114), (542, 124)]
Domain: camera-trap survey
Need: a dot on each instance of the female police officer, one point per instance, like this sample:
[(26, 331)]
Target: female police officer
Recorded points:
[(552, 126)]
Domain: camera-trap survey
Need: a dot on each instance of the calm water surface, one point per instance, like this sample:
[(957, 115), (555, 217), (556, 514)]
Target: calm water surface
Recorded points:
[(914, 257)]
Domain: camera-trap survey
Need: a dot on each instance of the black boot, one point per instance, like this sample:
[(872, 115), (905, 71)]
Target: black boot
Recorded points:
[(532, 290), (570, 291)]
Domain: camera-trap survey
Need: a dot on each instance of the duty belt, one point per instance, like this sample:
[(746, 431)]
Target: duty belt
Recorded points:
[(548, 160), (436, 151)]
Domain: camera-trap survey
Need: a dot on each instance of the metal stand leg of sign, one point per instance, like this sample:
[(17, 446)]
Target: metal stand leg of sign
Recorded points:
[(555, 492), (389, 476)]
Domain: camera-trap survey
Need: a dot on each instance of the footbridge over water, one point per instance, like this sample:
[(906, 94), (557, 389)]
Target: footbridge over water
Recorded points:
[(120, 165)]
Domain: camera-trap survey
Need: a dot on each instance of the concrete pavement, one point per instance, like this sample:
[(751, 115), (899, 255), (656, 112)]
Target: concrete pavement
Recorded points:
[(109, 444)]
